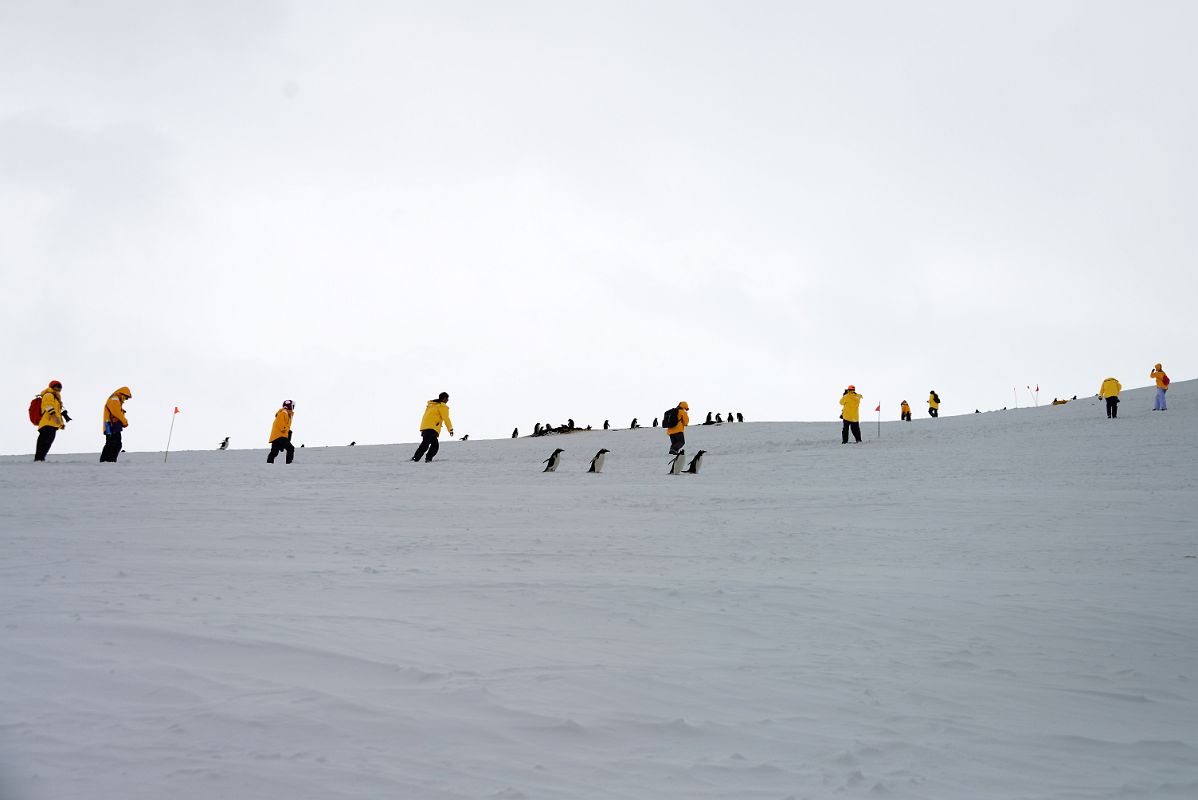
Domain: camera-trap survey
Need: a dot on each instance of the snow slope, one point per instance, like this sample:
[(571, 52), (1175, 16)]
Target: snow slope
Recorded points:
[(998, 605)]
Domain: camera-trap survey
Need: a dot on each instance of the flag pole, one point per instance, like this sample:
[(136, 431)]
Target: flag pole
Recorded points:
[(879, 420), (167, 453)]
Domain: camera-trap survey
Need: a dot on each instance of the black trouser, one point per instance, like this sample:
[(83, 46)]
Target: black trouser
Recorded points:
[(906, 416), (428, 442), (677, 442), (1112, 407), (45, 438), (112, 442), (278, 446), (855, 427), (933, 412)]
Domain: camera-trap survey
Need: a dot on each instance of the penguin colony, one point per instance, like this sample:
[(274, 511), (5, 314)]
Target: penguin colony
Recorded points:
[(678, 465)]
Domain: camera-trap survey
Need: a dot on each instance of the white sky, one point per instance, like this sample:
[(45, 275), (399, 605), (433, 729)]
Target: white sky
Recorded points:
[(594, 210)]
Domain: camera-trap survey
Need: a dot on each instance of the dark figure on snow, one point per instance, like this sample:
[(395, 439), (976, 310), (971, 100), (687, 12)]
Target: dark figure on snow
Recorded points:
[(933, 404), (52, 419), (224, 445), (850, 404), (729, 416), (719, 420), (634, 424), (435, 413), (466, 438), (114, 422), (655, 423), (353, 443), (570, 424), (740, 417), (536, 429), (677, 419), (709, 420), (515, 433), (606, 425), (280, 433)]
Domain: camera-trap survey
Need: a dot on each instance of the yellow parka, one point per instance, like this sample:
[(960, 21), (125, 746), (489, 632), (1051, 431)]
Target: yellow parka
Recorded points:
[(114, 409), (932, 401), (684, 419), (436, 413), (51, 409), (904, 408), (1159, 375), (851, 405), (1110, 388), (282, 427)]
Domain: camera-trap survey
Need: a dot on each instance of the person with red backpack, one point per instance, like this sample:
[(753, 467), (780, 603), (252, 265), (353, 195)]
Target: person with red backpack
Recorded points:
[(47, 413), (1162, 386)]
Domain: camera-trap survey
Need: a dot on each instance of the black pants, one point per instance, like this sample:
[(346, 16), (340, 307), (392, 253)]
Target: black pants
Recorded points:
[(933, 412), (906, 416), (1112, 407), (112, 442), (429, 443), (45, 438), (677, 442), (855, 427), (283, 443)]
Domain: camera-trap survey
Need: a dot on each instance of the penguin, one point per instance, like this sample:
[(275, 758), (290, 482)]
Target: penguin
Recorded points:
[(515, 433), (353, 443), (606, 424), (597, 461), (696, 462), (466, 437), (729, 416), (570, 424), (536, 429), (740, 417), (634, 424), (655, 423), (677, 463), (709, 420), (554, 459), (719, 419), (225, 444)]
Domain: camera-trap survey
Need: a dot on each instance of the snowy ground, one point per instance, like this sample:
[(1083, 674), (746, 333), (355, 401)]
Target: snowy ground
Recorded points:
[(1001, 605)]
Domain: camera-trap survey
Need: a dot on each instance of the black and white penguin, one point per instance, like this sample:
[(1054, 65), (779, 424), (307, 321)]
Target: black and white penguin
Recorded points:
[(515, 433), (225, 444), (570, 424), (709, 420), (696, 462), (606, 425), (536, 429), (466, 437), (597, 461), (353, 443), (554, 459), (729, 416), (634, 424), (655, 422), (677, 463), (740, 417), (719, 419)]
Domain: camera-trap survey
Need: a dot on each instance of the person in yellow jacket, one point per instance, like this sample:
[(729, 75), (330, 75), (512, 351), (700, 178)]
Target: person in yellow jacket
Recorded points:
[(115, 421), (905, 416), (436, 414), (850, 412), (54, 418), (1110, 391), (933, 404), (280, 433), (1162, 386), (677, 431)]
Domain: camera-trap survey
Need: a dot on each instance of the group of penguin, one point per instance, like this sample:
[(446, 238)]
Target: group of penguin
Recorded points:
[(676, 463)]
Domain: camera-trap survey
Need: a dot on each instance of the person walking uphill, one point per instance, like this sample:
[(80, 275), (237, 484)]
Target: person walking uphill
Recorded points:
[(52, 419), (905, 412), (115, 421), (280, 433), (1110, 390), (850, 404), (675, 421), (436, 413), (1162, 386), (933, 404)]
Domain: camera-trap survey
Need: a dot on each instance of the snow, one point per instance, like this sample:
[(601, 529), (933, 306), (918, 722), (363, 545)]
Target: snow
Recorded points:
[(997, 605)]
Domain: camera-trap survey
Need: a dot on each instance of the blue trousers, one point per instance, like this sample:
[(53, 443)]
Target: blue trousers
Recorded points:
[(1160, 400)]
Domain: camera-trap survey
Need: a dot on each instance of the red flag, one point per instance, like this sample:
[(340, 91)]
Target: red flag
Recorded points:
[(879, 408), (176, 409)]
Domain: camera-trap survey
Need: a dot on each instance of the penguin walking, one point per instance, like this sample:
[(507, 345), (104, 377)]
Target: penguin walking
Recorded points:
[(554, 459), (597, 461), (677, 463), (515, 433), (696, 462), (225, 444)]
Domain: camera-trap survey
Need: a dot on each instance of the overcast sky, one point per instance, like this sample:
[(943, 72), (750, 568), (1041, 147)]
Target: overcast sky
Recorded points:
[(587, 210)]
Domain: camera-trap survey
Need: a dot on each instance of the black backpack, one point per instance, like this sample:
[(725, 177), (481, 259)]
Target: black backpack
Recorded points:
[(670, 418)]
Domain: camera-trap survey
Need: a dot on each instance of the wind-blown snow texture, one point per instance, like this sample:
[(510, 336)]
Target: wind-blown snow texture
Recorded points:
[(1000, 605)]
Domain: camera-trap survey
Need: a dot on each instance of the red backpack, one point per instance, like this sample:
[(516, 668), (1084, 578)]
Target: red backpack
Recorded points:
[(35, 410), (1165, 380)]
